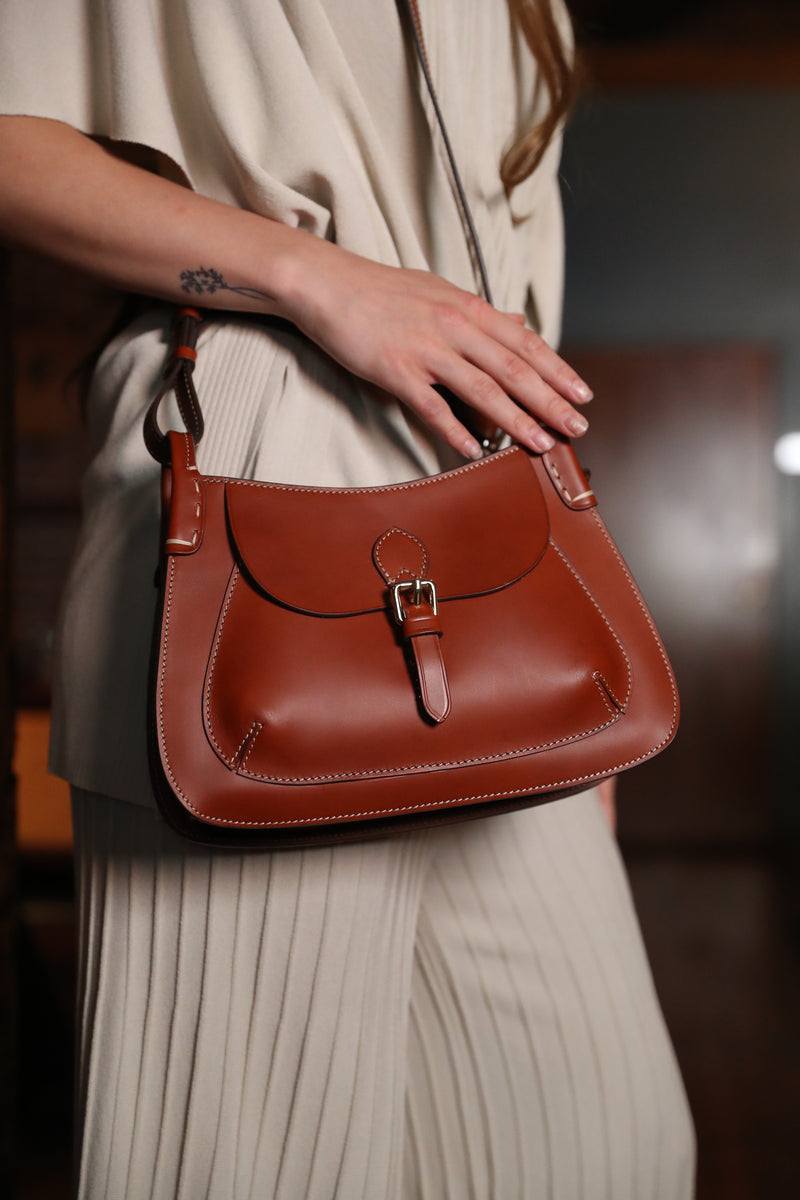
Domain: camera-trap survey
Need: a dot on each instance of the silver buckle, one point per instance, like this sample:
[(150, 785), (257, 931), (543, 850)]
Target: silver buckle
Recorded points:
[(417, 586)]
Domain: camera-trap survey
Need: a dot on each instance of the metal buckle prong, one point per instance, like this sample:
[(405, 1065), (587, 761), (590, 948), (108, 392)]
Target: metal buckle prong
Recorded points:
[(417, 586)]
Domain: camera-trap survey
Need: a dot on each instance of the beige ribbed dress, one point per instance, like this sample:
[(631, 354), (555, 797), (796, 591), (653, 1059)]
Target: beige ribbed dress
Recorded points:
[(458, 1014)]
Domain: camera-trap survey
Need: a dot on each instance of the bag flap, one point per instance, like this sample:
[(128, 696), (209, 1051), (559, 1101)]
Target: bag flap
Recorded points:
[(482, 527)]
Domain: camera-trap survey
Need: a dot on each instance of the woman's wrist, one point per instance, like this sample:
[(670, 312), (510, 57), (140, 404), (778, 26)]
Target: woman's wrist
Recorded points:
[(302, 270)]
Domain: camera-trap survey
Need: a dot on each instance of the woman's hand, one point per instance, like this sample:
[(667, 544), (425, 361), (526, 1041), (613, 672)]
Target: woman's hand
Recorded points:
[(65, 196), (409, 330)]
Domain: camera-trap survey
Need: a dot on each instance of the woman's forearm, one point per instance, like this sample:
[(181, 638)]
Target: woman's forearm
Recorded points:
[(404, 330), (65, 196)]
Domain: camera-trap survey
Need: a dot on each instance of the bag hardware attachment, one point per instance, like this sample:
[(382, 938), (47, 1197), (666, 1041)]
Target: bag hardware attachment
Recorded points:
[(418, 586)]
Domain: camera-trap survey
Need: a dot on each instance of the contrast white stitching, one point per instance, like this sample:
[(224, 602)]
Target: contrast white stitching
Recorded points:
[(428, 481), (258, 729), (615, 713), (605, 690), (409, 570), (255, 730), (648, 618), (198, 506), (554, 471), (570, 568), (551, 786), (434, 766), (231, 585), (243, 742)]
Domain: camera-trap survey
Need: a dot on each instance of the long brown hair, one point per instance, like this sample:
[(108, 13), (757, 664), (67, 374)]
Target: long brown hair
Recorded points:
[(556, 73)]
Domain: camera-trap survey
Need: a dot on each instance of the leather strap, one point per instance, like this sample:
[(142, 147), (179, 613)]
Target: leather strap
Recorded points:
[(177, 378), (484, 429), (411, 8), (186, 502), (422, 631)]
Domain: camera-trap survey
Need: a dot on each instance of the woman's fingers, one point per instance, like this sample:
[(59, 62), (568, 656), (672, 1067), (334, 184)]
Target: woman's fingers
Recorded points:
[(534, 350), (498, 384), (520, 362), (526, 385), (437, 414), (509, 331), (482, 391)]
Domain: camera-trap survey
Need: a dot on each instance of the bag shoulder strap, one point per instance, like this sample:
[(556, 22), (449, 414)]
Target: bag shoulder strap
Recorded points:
[(411, 8)]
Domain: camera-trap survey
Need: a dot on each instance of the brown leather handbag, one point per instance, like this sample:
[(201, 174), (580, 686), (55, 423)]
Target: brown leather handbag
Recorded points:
[(334, 664)]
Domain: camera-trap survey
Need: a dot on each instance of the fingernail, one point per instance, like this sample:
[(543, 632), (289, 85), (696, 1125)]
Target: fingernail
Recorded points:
[(472, 449), (577, 424), (581, 391), (542, 441)]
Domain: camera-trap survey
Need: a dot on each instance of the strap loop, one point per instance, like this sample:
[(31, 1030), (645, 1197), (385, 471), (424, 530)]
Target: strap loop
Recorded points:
[(177, 378)]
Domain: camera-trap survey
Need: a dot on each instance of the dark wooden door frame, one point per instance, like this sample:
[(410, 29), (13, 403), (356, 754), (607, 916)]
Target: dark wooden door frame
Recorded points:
[(8, 904)]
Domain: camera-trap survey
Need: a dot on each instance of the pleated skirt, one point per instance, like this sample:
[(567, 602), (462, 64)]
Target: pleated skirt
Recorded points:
[(461, 1014)]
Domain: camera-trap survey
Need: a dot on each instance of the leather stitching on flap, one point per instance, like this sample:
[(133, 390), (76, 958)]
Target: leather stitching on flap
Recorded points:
[(517, 752), (477, 547), (384, 569)]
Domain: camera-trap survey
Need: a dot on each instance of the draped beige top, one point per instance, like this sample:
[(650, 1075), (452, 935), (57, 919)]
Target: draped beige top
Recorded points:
[(312, 112)]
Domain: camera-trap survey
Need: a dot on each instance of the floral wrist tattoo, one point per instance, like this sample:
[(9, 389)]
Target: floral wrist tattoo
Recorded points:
[(206, 281)]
